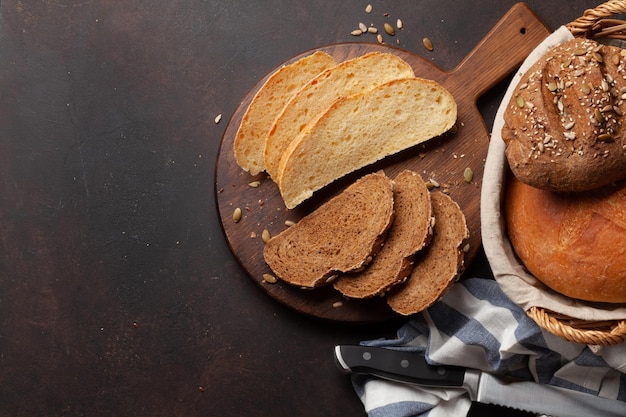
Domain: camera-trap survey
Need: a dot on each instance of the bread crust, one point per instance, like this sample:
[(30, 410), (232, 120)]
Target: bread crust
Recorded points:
[(564, 126), (575, 243)]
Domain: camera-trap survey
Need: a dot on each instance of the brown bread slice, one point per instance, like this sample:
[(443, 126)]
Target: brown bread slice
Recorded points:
[(347, 78), (411, 231), (361, 129), (268, 102), (439, 265), (341, 235)]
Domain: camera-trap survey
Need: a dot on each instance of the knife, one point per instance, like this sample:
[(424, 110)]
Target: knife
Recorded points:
[(412, 368)]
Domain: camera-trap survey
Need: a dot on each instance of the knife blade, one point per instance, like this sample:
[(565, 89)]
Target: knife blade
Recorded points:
[(412, 368)]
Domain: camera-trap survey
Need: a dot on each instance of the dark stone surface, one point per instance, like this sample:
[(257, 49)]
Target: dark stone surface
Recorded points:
[(118, 293)]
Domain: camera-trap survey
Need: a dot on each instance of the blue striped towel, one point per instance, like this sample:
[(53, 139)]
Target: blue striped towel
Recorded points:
[(476, 325)]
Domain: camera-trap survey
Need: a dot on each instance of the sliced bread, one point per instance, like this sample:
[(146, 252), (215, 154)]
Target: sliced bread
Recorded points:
[(439, 265), (350, 77), (411, 231), (361, 129), (341, 235), (267, 103)]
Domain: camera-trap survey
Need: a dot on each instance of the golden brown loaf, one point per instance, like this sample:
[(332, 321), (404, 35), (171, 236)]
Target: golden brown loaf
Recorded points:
[(347, 78), (342, 235), (575, 243), (267, 103), (361, 129), (439, 265), (411, 231), (564, 126)]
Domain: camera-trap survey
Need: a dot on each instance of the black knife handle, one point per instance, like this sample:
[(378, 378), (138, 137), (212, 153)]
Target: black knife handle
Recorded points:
[(396, 365)]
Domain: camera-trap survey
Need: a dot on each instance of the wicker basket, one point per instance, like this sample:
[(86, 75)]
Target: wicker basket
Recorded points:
[(597, 23), (593, 24), (605, 333)]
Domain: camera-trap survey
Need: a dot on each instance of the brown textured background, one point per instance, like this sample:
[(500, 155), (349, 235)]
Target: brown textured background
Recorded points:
[(118, 293)]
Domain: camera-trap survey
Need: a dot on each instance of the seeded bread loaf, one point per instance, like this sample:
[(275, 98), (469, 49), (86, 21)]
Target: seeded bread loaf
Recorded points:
[(347, 78), (340, 236), (573, 242), (361, 129), (267, 103), (410, 232), (439, 265), (564, 126)]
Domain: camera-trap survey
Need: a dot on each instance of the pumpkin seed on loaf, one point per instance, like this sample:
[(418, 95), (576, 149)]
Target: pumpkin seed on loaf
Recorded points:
[(361, 129), (350, 77), (249, 144), (410, 232), (439, 265), (341, 235)]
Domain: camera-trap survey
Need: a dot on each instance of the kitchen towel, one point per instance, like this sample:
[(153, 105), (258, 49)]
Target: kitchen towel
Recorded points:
[(477, 325)]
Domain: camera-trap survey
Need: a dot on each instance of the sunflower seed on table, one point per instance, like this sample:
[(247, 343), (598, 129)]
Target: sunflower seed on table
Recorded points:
[(428, 44)]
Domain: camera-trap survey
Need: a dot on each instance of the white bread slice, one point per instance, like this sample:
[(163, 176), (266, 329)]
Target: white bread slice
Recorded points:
[(341, 235), (347, 78), (361, 129), (249, 144), (410, 232), (439, 265)]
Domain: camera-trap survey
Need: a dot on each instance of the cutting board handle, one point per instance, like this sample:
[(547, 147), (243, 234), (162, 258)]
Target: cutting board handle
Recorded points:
[(501, 51)]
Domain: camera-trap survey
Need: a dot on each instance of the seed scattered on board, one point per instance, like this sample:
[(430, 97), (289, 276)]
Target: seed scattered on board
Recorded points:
[(237, 215), (270, 279), (468, 174)]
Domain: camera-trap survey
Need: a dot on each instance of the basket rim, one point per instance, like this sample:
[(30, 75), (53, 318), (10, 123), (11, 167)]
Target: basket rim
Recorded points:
[(598, 22), (605, 333)]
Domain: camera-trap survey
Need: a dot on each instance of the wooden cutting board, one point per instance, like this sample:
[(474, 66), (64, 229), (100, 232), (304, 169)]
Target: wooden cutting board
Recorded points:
[(443, 159)]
